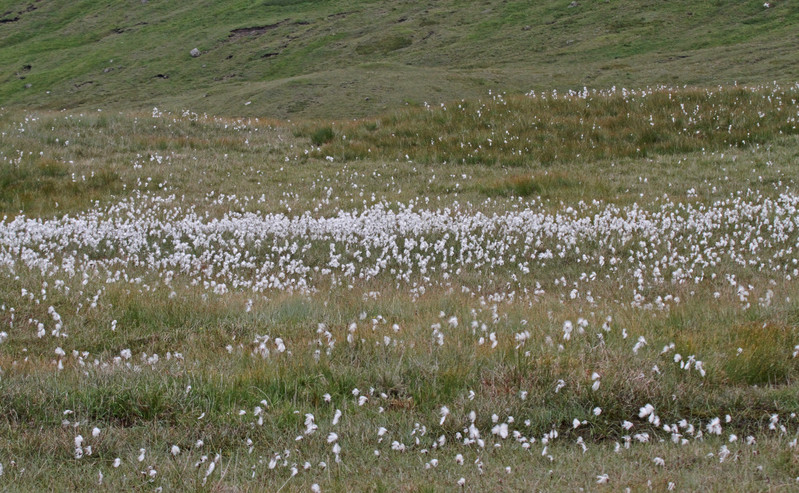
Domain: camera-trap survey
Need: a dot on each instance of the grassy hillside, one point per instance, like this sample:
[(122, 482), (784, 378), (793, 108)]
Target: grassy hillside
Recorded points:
[(353, 58)]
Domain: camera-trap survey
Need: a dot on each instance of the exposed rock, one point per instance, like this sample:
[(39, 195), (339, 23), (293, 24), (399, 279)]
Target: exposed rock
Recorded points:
[(574, 4), (256, 30), (195, 52), (5, 19)]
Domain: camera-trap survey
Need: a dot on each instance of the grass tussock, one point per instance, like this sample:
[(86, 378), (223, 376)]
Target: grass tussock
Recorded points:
[(46, 184), (763, 354), (543, 128), (538, 184), (322, 136)]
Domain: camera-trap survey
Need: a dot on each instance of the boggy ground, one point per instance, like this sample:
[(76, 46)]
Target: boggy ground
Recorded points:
[(239, 304)]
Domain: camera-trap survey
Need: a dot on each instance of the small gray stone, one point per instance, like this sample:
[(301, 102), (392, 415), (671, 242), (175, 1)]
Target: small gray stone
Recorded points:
[(195, 52), (28, 86), (573, 4)]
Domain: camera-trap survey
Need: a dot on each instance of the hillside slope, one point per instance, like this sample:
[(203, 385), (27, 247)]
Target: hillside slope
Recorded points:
[(292, 58)]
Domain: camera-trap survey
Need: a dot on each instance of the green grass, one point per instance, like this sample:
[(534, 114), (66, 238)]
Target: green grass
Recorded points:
[(565, 149), (322, 136), (540, 184), (213, 371), (360, 58), (39, 185), (443, 122), (547, 128)]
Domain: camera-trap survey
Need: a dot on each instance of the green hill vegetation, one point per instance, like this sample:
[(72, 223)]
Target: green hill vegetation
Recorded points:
[(339, 59)]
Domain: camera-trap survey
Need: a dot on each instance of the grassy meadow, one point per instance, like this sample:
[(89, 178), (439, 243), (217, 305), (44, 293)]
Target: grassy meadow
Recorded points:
[(584, 290)]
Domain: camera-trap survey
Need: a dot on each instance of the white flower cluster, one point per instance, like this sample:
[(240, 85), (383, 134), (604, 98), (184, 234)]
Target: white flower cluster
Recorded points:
[(677, 244)]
